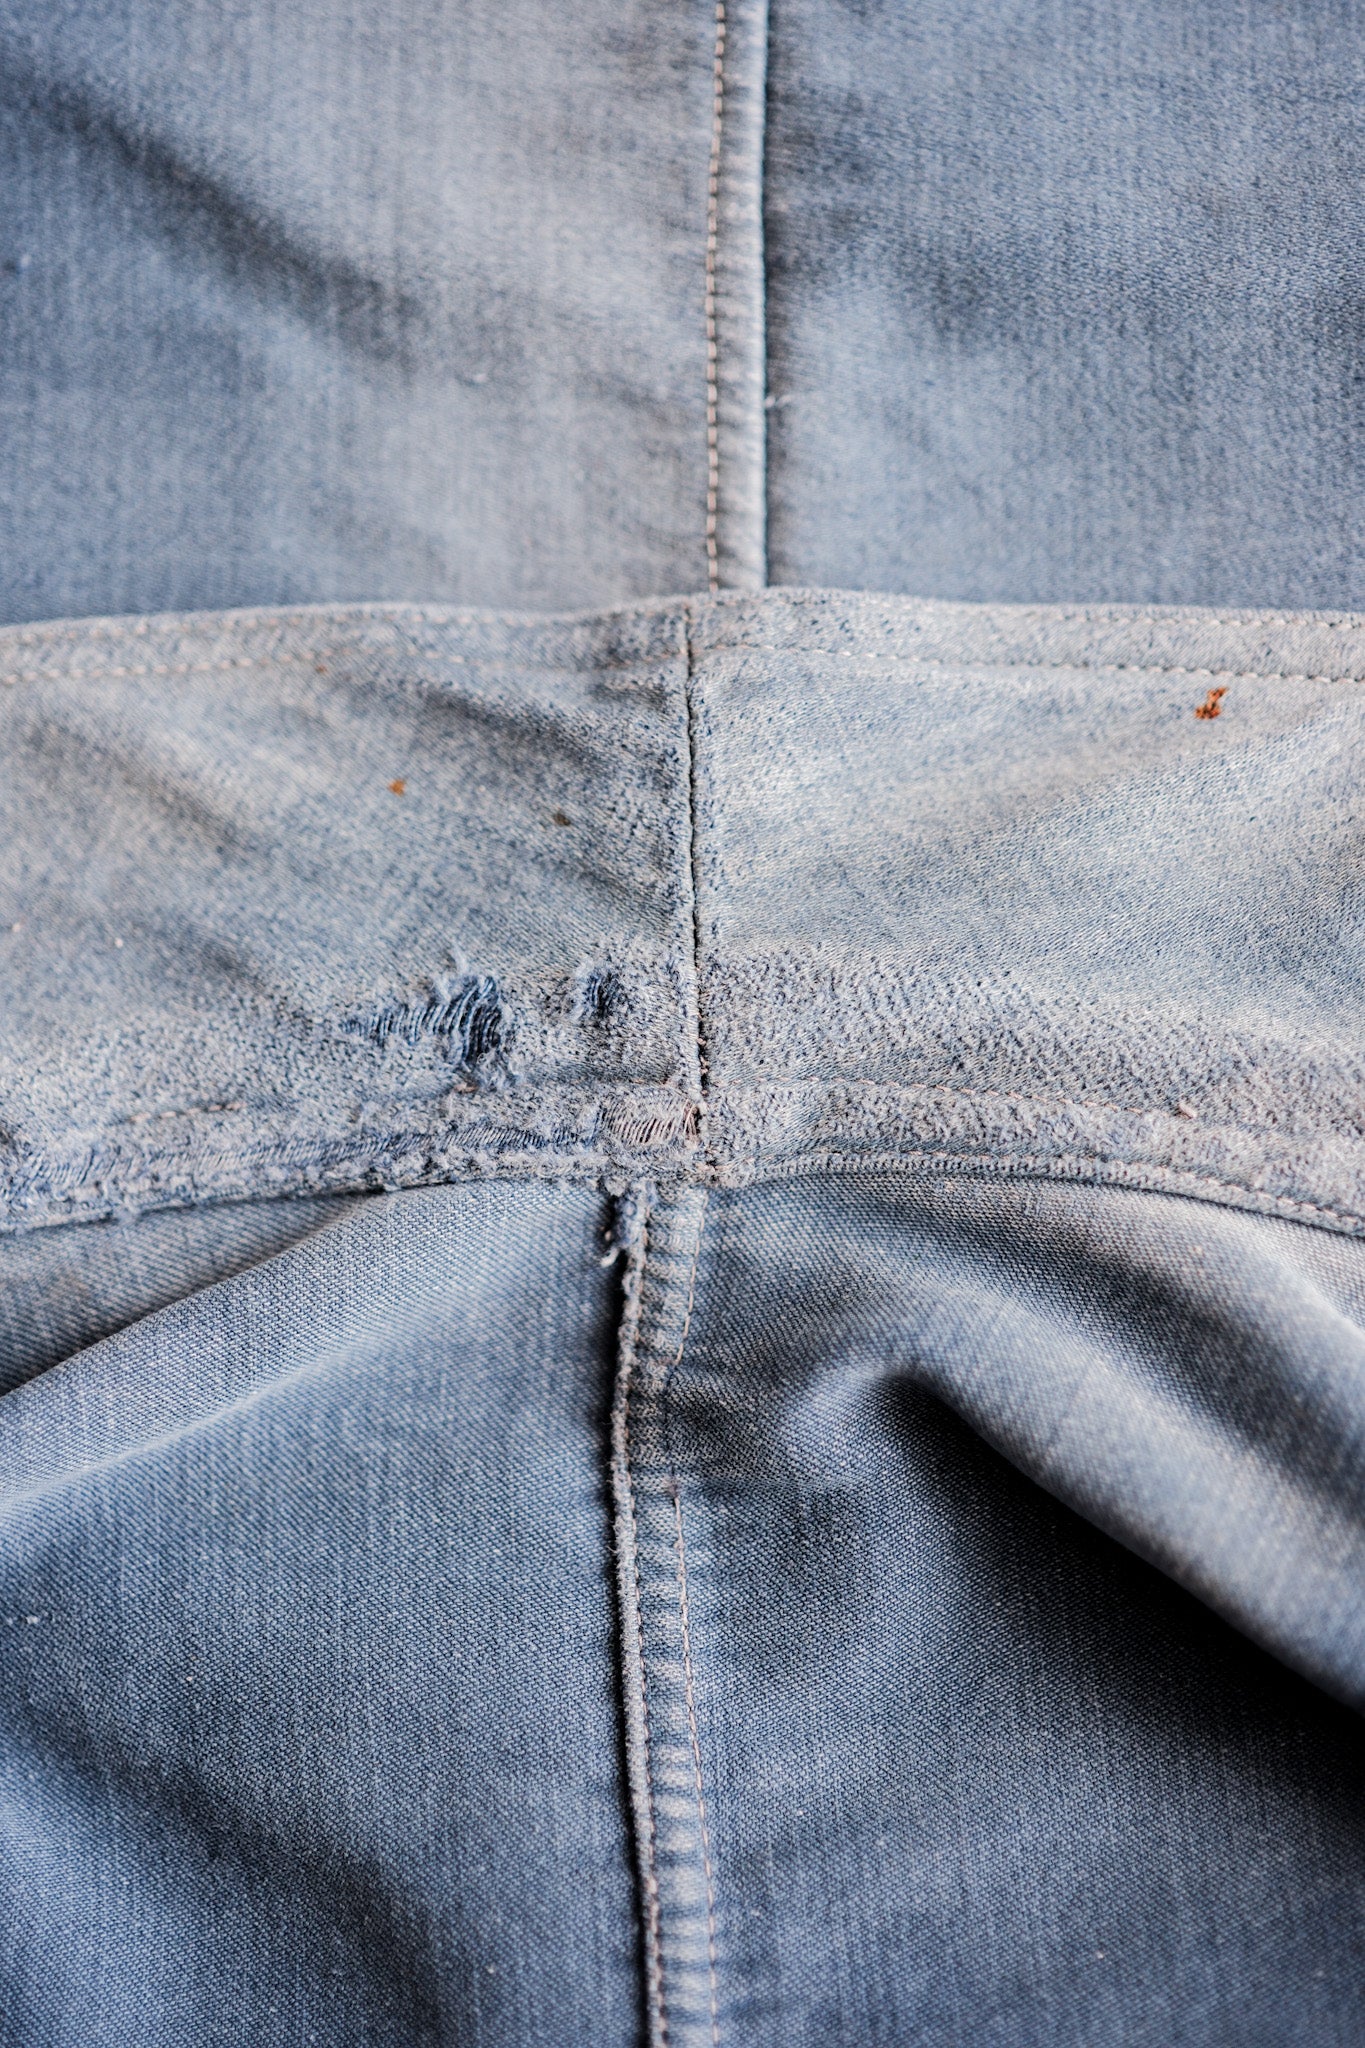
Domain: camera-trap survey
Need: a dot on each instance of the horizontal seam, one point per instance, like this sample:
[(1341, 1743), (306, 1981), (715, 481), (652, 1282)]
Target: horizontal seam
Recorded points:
[(97, 673), (476, 1100), (863, 1083), (777, 599), (866, 1083), (320, 617), (56, 633), (309, 660), (663, 661), (596, 1171), (175, 627), (1045, 1169), (1243, 675), (144, 669)]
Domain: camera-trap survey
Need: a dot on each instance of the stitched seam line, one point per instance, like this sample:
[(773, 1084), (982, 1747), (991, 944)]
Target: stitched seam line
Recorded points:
[(689, 1687), (862, 1083), (654, 1946), (401, 656), (146, 669), (672, 1492), (59, 633), (593, 1172), (694, 870), (651, 1832), (967, 661), (796, 599), (253, 619), (539, 666), (908, 661), (712, 331), (1088, 1170), (1023, 1164), (850, 1083)]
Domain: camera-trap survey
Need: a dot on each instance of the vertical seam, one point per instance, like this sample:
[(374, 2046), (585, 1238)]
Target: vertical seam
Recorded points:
[(689, 1683), (763, 350), (656, 1743), (677, 1872), (694, 869), (696, 1768), (712, 335), (653, 1944)]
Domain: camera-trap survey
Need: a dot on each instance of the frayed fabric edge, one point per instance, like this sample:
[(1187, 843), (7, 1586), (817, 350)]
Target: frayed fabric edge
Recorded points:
[(751, 1136)]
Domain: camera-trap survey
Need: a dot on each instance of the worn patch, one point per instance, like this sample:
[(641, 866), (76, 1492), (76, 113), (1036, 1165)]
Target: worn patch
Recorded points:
[(846, 879), (467, 1014)]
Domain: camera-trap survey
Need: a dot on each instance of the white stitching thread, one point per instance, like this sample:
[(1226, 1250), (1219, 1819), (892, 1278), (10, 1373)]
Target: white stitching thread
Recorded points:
[(712, 332), (175, 625), (963, 662), (847, 1083), (651, 1872), (690, 1693), (314, 657), (694, 869), (58, 633), (147, 670), (1025, 1165), (1088, 1170), (1235, 675), (1121, 615)]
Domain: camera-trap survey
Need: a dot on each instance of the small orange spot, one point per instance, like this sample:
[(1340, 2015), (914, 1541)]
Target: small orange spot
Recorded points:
[(558, 818), (320, 668), (1212, 704), (398, 786)]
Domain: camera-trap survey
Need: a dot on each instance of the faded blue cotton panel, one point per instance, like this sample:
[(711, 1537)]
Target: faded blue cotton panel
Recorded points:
[(970, 1773), (309, 1697), (343, 890), (317, 302), (335, 899), (1064, 301), (1072, 891), (720, 892), (63, 1289)]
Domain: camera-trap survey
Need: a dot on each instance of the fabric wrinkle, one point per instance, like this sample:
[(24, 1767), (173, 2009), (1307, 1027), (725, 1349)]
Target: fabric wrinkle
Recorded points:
[(682, 1153)]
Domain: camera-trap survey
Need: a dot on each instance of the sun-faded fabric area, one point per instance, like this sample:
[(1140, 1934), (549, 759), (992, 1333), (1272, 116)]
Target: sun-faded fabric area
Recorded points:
[(311, 1662), (339, 899), (1063, 301), (927, 1759), (308, 1718), (61, 1290), (325, 300), (951, 1014)]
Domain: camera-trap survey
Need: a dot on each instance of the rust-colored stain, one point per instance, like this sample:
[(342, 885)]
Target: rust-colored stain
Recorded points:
[(1212, 704), (558, 818), (398, 786)]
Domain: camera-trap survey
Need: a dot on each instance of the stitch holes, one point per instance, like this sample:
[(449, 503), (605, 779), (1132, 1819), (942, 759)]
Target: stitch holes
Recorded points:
[(710, 305)]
